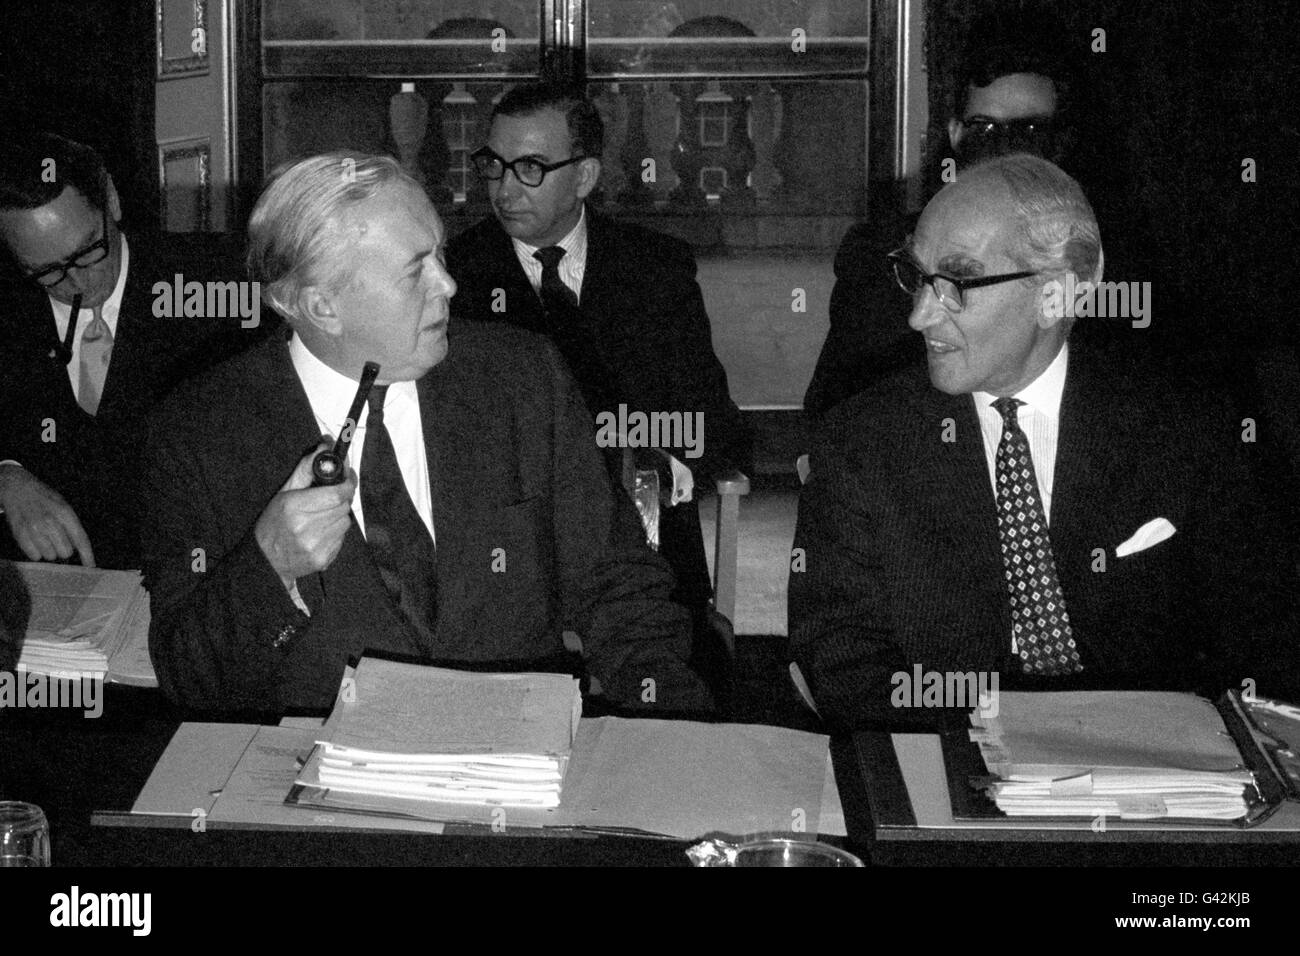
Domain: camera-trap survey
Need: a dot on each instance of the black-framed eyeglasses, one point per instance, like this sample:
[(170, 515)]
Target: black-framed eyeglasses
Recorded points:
[(1017, 128), (527, 170), (97, 251), (950, 290)]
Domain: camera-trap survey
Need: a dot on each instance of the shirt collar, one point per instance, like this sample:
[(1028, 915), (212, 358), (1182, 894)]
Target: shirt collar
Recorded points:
[(330, 392), (112, 306), (574, 242), (1043, 393)]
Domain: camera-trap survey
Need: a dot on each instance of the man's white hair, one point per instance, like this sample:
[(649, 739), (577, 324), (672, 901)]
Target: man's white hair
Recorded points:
[(1056, 227), (295, 234)]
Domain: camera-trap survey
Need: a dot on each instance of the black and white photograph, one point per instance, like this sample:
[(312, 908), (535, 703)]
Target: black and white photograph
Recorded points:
[(625, 435)]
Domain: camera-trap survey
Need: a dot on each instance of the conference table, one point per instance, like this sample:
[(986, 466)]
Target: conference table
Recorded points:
[(87, 773)]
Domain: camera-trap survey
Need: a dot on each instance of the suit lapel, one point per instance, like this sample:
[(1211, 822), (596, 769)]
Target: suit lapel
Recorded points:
[(452, 437), (29, 331), (135, 349), (599, 266), (953, 476), (1088, 462), (523, 307), (288, 430)]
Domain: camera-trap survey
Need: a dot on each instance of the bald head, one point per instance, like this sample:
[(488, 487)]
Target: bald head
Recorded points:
[(1022, 221), (1054, 225)]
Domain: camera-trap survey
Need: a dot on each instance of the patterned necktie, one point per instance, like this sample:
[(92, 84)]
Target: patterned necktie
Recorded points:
[(397, 539), (96, 348), (1040, 626)]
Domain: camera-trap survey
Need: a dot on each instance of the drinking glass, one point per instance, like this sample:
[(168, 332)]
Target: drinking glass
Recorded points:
[(24, 835)]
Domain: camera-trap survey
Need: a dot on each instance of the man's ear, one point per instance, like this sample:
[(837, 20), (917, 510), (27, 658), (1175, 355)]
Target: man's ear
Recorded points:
[(954, 132), (1056, 287), (588, 176), (317, 306), (111, 200)]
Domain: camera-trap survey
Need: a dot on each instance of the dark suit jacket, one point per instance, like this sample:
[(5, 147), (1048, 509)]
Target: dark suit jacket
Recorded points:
[(868, 338), (903, 563), (645, 318), (513, 467), (94, 461)]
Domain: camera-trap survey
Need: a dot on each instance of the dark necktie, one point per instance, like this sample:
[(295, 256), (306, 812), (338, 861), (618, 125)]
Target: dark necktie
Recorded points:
[(1040, 626), (398, 540), (572, 335), (557, 298)]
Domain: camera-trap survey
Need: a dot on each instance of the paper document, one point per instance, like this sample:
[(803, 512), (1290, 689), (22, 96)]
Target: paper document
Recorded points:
[(672, 778), (690, 780), (413, 733), (78, 621), (1129, 754)]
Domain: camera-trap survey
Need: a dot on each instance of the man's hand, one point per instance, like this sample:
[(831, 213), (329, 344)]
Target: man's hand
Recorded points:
[(42, 523), (302, 529)]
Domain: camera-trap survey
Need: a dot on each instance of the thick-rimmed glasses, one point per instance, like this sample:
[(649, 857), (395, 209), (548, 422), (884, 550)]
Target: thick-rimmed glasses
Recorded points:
[(97, 251), (527, 170), (1017, 128), (950, 290), (986, 137)]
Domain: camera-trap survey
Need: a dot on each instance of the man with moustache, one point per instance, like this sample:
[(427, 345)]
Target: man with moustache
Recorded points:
[(76, 387), (475, 524), (1021, 506)]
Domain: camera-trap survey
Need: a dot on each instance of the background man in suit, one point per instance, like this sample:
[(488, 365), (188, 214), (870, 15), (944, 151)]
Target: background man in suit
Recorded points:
[(76, 388), (926, 521), (620, 302), (1018, 93), (482, 526)]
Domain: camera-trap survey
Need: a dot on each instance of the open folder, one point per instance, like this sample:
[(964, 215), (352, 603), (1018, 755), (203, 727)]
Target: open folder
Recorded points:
[(677, 779), (1127, 755), (668, 778)]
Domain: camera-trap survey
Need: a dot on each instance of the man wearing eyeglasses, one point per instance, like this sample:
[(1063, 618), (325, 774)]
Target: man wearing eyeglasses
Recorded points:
[(1022, 507), (1013, 90), (620, 302), (84, 355)]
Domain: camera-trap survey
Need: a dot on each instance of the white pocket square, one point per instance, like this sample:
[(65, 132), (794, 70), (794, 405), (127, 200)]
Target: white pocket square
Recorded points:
[(1149, 535)]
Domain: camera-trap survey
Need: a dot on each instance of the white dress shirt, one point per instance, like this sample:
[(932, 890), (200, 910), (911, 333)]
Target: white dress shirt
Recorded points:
[(110, 310), (1040, 420), (572, 268), (331, 395)]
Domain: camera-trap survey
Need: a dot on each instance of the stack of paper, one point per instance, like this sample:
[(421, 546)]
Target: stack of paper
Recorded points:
[(74, 621), (402, 732), (1124, 754)]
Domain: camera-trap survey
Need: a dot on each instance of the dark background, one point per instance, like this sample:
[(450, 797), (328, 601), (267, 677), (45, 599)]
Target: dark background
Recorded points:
[(85, 69), (1185, 91)]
